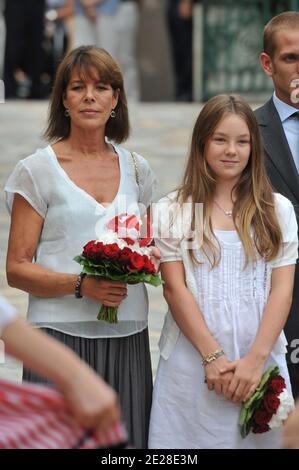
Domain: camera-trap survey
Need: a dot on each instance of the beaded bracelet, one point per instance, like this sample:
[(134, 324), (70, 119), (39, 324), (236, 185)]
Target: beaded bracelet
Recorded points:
[(212, 357), (80, 278)]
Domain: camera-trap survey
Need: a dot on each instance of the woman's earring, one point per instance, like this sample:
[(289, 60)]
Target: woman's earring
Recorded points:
[(113, 113), (67, 112)]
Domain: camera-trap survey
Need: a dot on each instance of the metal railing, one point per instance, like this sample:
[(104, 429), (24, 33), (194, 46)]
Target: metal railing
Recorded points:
[(227, 42)]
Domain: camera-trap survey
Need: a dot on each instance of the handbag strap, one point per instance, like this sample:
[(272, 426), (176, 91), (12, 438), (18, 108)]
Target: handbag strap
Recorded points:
[(134, 158)]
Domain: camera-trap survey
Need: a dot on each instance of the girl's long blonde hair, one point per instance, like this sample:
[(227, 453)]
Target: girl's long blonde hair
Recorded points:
[(253, 194)]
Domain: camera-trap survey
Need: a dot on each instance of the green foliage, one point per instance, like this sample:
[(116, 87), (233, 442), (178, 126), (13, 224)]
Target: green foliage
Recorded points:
[(115, 272)]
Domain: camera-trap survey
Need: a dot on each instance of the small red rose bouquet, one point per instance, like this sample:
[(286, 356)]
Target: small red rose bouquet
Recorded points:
[(120, 255), (268, 407)]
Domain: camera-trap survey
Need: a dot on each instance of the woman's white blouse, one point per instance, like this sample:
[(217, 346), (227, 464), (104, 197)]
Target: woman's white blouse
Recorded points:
[(72, 218), (7, 314)]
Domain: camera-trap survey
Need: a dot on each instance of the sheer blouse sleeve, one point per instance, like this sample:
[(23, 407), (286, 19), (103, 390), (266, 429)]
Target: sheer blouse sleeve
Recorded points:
[(27, 183)]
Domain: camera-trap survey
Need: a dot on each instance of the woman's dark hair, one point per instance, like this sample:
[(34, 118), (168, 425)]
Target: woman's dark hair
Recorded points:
[(85, 60)]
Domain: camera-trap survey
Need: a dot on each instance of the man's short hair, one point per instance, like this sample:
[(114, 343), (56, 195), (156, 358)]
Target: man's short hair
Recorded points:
[(286, 20)]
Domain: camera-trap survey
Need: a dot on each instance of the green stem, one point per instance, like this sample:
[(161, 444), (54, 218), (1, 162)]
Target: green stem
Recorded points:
[(108, 314)]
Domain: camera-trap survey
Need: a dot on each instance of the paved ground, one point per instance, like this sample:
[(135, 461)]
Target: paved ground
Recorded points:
[(161, 133)]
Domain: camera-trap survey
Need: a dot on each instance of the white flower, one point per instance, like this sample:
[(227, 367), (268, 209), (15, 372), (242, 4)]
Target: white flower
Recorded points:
[(140, 250), (108, 237), (285, 407)]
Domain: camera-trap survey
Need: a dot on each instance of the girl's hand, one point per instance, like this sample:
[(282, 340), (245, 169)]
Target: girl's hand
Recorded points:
[(109, 293), (155, 257), (290, 436), (215, 377), (247, 376)]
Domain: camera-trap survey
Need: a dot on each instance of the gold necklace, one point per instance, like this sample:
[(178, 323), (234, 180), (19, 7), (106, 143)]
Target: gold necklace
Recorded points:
[(227, 213)]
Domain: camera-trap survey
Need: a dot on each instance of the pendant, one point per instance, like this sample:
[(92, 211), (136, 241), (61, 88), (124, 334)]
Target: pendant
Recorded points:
[(229, 213)]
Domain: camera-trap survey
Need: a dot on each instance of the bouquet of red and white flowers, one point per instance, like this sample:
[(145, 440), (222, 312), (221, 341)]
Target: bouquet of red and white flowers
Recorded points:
[(268, 407), (120, 255)]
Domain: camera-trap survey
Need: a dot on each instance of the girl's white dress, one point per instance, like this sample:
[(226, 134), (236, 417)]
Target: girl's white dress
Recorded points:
[(185, 414)]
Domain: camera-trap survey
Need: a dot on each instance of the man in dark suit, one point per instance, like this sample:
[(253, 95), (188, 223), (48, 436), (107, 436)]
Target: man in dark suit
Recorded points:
[(279, 124), (24, 20), (179, 16)]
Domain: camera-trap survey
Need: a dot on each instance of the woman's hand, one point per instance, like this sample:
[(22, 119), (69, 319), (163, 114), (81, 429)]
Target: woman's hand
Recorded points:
[(93, 403), (109, 293), (215, 377), (155, 257), (248, 372)]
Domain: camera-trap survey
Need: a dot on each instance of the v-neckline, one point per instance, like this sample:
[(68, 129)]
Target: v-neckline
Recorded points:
[(62, 171)]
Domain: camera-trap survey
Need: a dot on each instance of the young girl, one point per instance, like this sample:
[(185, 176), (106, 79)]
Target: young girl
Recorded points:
[(229, 296)]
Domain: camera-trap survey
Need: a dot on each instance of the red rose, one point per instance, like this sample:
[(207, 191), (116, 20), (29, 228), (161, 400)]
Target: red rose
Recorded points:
[(277, 385), (136, 262), (111, 251), (88, 248), (259, 429), (93, 249), (149, 268), (88, 245), (271, 402), (262, 417), (93, 252), (99, 246), (98, 249), (125, 255)]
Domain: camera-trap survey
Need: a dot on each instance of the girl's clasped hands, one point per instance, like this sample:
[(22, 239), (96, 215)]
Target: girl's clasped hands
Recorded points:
[(236, 380)]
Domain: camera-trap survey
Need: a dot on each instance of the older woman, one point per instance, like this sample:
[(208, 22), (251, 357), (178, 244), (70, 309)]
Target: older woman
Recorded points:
[(59, 197)]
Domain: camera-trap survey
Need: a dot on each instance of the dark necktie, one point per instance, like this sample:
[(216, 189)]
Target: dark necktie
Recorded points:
[(295, 115)]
